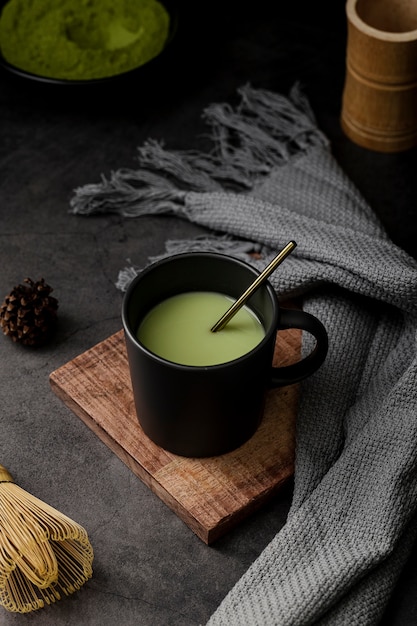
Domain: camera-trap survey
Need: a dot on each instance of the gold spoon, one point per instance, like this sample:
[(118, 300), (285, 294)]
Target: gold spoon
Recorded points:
[(253, 287)]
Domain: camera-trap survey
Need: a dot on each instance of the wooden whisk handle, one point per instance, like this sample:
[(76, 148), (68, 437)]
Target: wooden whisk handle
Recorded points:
[(5, 477)]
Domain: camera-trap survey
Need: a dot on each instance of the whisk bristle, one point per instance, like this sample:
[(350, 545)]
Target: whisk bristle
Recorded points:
[(43, 553)]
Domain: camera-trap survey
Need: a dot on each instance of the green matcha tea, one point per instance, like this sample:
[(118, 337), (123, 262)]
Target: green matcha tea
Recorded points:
[(178, 329), (82, 39)]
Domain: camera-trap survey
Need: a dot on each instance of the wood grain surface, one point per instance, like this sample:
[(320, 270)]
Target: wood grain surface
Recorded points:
[(210, 495)]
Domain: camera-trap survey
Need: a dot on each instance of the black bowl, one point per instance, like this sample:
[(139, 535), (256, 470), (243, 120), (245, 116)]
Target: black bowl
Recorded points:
[(140, 75)]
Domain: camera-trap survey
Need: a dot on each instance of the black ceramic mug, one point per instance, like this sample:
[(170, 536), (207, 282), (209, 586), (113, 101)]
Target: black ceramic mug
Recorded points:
[(199, 411)]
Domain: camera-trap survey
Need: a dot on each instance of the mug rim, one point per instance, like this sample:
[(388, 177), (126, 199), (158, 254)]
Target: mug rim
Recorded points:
[(183, 255)]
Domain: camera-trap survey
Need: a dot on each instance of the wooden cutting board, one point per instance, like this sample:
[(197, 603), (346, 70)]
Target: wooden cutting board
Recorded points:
[(211, 495)]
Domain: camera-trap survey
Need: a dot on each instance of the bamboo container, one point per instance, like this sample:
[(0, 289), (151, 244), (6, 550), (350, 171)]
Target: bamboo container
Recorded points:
[(379, 105)]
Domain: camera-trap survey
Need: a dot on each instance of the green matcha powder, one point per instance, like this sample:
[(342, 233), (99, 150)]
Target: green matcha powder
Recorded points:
[(82, 39)]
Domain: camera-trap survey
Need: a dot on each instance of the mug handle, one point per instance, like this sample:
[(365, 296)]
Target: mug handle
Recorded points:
[(289, 374)]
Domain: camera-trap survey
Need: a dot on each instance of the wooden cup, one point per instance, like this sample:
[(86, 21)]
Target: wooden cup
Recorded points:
[(379, 107)]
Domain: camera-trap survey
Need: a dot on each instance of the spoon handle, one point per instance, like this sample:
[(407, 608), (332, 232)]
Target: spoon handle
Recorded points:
[(253, 287)]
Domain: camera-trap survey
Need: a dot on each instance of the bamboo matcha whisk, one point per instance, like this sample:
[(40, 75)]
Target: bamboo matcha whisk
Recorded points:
[(43, 553)]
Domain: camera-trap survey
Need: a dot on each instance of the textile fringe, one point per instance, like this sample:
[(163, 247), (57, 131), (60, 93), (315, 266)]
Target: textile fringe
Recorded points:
[(202, 243), (265, 130)]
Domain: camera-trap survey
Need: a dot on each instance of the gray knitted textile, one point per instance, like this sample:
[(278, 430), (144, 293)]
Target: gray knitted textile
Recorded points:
[(271, 178)]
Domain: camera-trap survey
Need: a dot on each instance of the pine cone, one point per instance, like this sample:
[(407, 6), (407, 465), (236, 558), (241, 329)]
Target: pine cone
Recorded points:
[(28, 313)]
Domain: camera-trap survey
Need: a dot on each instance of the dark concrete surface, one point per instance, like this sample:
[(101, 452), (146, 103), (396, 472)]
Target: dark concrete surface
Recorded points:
[(149, 568)]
